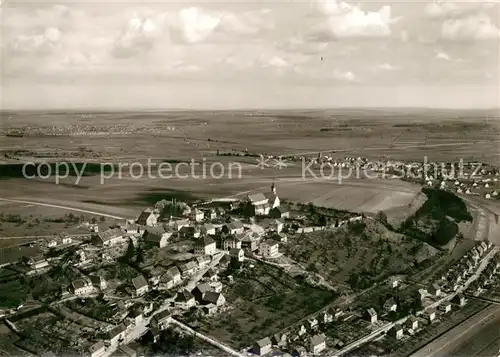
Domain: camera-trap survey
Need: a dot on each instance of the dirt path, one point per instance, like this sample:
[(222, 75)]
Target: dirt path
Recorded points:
[(62, 207)]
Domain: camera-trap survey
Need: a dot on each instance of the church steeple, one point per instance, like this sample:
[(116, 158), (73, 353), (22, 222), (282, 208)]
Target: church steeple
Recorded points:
[(273, 188)]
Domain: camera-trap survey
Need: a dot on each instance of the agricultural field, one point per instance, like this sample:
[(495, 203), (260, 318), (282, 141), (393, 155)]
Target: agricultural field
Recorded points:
[(20, 219), (262, 300), (360, 253), (182, 136)]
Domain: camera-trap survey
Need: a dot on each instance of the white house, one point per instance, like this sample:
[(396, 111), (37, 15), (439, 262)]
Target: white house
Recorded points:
[(157, 236), (269, 248), (208, 229), (148, 218), (197, 215), (97, 349), (81, 287), (276, 225), (235, 227), (98, 281), (318, 344), (371, 315), (259, 203), (140, 285), (205, 245), (108, 238), (237, 254)]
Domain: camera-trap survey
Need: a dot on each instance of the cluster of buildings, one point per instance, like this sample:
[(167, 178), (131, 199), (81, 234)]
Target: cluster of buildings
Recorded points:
[(303, 340)]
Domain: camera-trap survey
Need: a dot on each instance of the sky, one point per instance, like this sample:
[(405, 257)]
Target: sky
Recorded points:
[(238, 54)]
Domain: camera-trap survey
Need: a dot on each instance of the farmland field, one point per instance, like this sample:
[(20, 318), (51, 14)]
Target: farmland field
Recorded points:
[(177, 136)]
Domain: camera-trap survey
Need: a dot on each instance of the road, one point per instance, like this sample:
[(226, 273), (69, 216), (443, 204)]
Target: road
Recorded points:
[(457, 339), (388, 326), (196, 277), (62, 207)]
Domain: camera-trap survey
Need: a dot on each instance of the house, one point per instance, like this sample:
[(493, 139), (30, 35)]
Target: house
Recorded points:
[(302, 330), (133, 228), (171, 278), (259, 204), (148, 218), (435, 290), (81, 287), (108, 238), (431, 315), (445, 307), (237, 254), (98, 281), (140, 285), (184, 300), (197, 215), (276, 225), (394, 282), (67, 240), (282, 237), (216, 286), (205, 245), (233, 241), (187, 268), (235, 227), (280, 212), (97, 349), (209, 309), (157, 236), (278, 339), (272, 198), (161, 319), (203, 261), (326, 318), (262, 346), (116, 334), (125, 351), (390, 305), (210, 275), (136, 316), (212, 297), (224, 262), (396, 331), (200, 290), (459, 299), (371, 315), (313, 323), (269, 248), (178, 224), (208, 229), (38, 263), (412, 323), (318, 343)]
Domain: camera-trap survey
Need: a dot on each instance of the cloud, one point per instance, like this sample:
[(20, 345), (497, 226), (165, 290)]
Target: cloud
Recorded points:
[(192, 25), (476, 27), (346, 76), (443, 56), (386, 67), (43, 43), (138, 36), (454, 8), (344, 20)]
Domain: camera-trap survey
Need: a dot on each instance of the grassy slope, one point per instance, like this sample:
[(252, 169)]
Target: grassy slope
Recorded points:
[(359, 253)]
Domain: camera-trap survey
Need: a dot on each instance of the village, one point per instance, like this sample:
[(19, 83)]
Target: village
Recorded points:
[(178, 266)]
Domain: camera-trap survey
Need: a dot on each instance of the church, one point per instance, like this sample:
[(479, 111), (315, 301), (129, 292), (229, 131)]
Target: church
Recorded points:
[(260, 204)]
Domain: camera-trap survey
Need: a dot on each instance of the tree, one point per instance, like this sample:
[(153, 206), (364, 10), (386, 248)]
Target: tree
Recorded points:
[(102, 219), (381, 217)]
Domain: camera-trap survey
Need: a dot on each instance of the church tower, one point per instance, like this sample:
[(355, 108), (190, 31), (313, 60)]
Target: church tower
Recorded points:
[(273, 188)]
